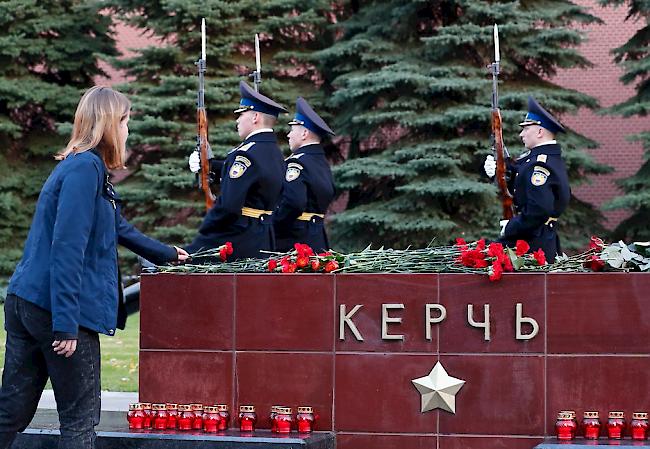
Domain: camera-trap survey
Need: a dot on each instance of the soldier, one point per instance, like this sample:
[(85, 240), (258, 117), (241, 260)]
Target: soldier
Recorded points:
[(538, 182), (308, 186), (251, 183)]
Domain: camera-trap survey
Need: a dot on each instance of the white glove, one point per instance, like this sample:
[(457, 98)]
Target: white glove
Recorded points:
[(503, 224), (490, 166), (194, 162)]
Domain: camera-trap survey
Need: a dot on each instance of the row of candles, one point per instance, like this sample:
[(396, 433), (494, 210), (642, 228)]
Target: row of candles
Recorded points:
[(566, 425), (214, 418)]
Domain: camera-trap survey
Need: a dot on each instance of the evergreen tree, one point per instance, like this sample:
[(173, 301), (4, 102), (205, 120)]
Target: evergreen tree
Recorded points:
[(634, 56), (161, 194), (411, 92), (48, 57)]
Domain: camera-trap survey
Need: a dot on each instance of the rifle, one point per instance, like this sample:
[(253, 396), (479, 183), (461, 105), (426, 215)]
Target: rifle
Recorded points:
[(497, 135), (202, 145), (257, 73)]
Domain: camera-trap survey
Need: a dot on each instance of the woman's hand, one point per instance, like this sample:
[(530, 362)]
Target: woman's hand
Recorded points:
[(181, 254), (64, 347)]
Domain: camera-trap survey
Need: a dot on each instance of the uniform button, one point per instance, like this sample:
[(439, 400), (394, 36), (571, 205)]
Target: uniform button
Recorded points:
[(111, 332), (262, 218)]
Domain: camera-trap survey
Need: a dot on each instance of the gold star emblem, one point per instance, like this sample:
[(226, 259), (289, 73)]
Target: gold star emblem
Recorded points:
[(438, 390)]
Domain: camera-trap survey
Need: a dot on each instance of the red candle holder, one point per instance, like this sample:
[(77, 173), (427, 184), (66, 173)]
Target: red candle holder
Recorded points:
[(564, 426), (615, 425), (572, 413), (639, 426), (172, 415), (247, 418), (185, 417), (135, 416), (159, 416), (211, 419), (224, 415), (284, 419), (148, 421), (305, 419), (197, 421), (591, 425), (273, 417)]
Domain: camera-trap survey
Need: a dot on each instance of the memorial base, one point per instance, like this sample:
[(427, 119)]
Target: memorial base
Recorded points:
[(113, 433), (581, 443)]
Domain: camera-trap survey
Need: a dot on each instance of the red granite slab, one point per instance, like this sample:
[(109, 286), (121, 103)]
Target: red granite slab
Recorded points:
[(304, 379), (374, 393), (496, 442), (186, 377), (459, 290), (187, 311), (285, 312), (503, 395), (397, 441), (599, 313), (413, 291), (597, 383)]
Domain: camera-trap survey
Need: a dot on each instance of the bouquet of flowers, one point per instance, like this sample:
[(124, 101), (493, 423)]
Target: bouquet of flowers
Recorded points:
[(491, 259)]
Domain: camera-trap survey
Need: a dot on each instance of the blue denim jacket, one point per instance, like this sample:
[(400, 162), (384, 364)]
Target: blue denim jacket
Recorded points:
[(69, 263)]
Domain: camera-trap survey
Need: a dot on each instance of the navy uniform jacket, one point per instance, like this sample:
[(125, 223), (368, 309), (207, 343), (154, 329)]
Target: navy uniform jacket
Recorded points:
[(251, 176), (69, 263), (541, 190), (308, 187)]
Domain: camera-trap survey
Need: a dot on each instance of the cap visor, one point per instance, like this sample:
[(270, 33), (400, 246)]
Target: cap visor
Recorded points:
[(294, 122)]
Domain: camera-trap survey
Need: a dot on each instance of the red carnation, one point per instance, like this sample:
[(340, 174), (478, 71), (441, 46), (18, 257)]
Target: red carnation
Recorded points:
[(507, 265), (596, 243), (302, 261), (331, 266), (223, 253), (595, 263), (540, 257), (495, 250), (325, 254), (303, 250), (522, 247), (289, 268), (473, 259), (496, 271), (461, 244), (273, 264), (480, 245), (315, 265), (228, 248)]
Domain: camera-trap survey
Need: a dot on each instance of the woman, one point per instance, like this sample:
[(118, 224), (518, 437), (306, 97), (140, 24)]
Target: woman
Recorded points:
[(64, 290)]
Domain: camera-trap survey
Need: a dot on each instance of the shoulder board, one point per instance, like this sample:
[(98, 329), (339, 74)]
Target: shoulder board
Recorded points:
[(295, 156), (244, 160), (523, 155), (541, 158), (295, 165), (246, 147)]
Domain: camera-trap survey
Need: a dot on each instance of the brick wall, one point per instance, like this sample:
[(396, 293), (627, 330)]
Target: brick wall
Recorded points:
[(602, 82)]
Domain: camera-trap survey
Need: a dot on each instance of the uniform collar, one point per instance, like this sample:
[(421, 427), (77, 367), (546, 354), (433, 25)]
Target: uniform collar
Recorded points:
[(257, 131), (548, 142), (311, 148), (546, 148), (261, 135)]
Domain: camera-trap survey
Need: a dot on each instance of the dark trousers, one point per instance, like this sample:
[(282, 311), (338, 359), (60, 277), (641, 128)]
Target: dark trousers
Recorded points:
[(30, 360)]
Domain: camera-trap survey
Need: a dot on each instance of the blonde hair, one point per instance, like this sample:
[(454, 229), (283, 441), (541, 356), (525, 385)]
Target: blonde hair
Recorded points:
[(96, 125)]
